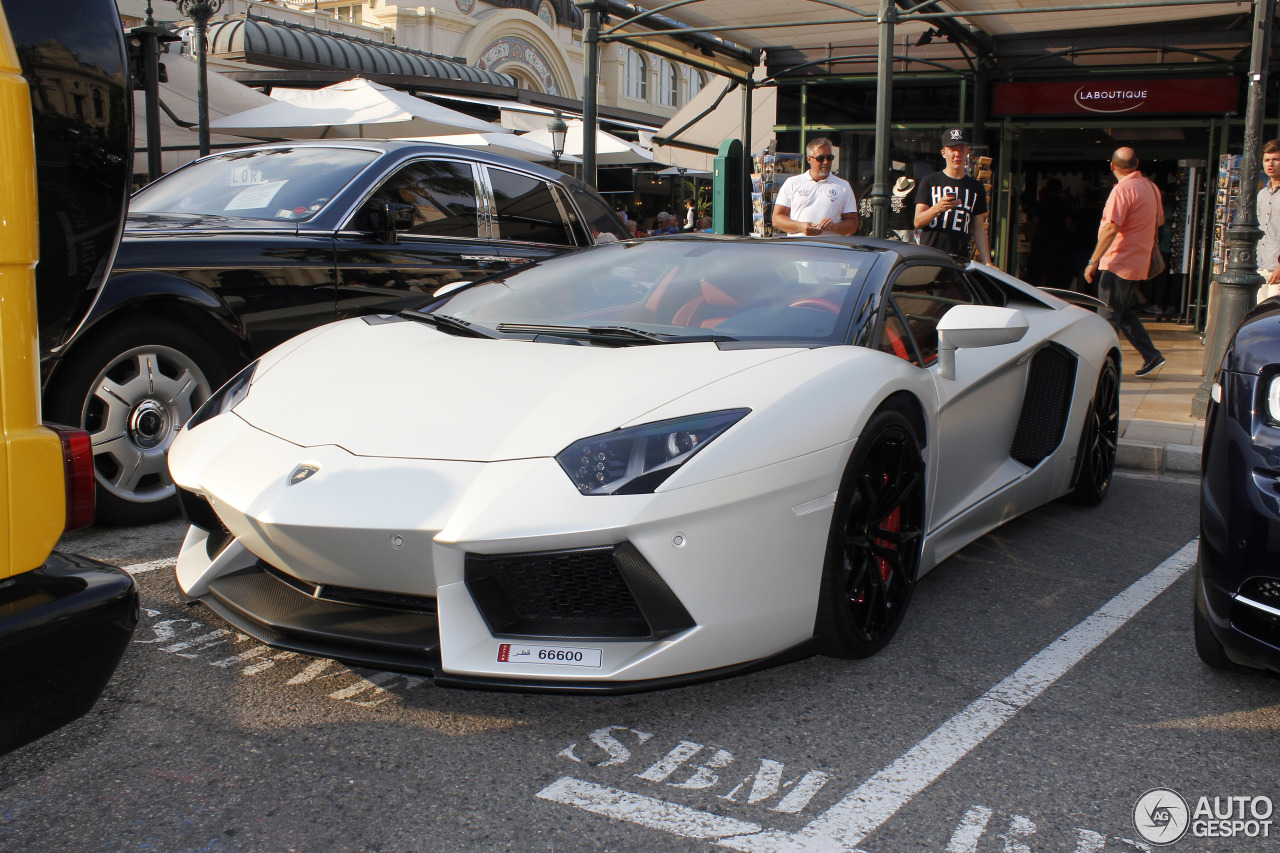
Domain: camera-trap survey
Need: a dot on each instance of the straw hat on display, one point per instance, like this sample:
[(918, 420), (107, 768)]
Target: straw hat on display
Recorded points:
[(903, 187)]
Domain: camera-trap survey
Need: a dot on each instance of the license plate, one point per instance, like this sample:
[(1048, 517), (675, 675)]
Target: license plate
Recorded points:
[(553, 655)]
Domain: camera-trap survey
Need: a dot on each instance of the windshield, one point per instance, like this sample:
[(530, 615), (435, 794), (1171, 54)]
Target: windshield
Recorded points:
[(741, 289), (290, 184)]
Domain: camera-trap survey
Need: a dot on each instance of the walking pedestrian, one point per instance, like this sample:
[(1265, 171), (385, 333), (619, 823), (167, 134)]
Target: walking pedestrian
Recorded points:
[(951, 205), (816, 202), (1269, 222), (1121, 260)]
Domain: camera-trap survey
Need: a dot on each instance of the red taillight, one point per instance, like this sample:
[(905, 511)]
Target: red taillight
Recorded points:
[(77, 468)]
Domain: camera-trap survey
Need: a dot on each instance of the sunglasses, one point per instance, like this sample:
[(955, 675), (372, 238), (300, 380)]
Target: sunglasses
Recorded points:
[(829, 158)]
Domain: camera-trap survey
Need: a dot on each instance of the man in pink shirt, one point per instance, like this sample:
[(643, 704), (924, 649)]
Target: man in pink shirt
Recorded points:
[(1122, 259)]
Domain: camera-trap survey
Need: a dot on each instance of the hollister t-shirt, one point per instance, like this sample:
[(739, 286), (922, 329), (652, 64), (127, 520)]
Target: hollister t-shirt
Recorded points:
[(950, 230)]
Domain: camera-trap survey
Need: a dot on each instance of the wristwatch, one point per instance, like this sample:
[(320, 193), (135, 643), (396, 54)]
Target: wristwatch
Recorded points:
[(1091, 264)]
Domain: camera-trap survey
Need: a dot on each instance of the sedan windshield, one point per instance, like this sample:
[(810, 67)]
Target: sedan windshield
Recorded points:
[(677, 289), (276, 183)]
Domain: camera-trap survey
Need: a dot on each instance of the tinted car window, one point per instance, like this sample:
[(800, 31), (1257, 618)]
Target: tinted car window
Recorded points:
[(526, 209), (598, 214), (442, 194), (276, 183), (923, 294)]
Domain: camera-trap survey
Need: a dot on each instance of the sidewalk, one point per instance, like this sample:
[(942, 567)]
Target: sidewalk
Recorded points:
[(1157, 433)]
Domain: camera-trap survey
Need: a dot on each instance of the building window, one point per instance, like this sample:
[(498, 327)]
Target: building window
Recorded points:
[(668, 84), (350, 14), (637, 77), (696, 81)]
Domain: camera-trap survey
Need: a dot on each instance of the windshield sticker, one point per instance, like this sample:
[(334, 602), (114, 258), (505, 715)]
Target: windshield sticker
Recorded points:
[(244, 176), (255, 196)]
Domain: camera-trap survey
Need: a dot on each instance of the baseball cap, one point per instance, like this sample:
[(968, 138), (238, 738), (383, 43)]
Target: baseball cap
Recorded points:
[(955, 136)]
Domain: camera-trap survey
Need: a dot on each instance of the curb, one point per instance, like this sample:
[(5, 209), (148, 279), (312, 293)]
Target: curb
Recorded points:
[(1153, 457)]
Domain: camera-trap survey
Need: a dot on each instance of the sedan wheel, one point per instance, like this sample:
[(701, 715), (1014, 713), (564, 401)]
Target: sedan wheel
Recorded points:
[(1098, 443), (1208, 648), (133, 390), (873, 551)]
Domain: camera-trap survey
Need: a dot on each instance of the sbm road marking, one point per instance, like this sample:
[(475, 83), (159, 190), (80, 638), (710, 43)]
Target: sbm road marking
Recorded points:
[(865, 809)]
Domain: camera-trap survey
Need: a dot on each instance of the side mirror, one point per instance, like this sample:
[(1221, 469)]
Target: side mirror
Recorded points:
[(972, 326), (388, 218)]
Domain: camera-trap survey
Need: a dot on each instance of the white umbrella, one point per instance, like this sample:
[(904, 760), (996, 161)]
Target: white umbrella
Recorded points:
[(510, 144), (181, 144), (610, 150), (713, 128), (351, 109)]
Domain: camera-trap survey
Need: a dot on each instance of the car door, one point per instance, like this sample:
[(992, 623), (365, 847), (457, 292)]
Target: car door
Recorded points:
[(532, 218), (446, 244), (978, 410)]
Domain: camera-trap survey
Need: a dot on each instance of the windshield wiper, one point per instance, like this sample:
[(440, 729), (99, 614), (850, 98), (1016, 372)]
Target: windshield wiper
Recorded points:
[(619, 334), (452, 324)]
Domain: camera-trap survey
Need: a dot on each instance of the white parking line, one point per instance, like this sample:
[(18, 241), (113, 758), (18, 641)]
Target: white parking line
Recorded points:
[(862, 811), (151, 566)]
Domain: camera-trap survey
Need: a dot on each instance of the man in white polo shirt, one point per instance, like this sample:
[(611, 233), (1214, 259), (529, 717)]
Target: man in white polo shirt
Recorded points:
[(816, 202)]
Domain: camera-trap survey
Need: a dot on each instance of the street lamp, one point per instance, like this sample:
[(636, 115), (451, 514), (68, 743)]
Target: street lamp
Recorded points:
[(200, 11), (558, 130)]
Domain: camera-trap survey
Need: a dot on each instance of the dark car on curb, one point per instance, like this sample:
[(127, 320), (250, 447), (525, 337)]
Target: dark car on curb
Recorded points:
[(229, 256), (1237, 599)]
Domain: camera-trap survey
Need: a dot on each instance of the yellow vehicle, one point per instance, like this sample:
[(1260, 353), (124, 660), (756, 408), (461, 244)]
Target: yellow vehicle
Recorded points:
[(65, 621)]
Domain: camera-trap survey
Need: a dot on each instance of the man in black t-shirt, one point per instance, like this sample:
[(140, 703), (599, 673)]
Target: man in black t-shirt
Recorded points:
[(951, 206)]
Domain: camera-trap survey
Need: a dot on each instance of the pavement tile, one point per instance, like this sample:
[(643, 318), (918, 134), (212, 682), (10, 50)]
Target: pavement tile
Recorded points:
[(1157, 431)]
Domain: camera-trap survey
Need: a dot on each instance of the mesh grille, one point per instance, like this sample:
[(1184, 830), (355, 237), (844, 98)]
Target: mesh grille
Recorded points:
[(578, 593), (1050, 384)]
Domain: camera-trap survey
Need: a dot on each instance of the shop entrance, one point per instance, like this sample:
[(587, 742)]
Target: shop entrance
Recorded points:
[(1059, 179)]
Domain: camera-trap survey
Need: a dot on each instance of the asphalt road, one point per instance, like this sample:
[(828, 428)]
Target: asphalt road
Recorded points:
[(1032, 696)]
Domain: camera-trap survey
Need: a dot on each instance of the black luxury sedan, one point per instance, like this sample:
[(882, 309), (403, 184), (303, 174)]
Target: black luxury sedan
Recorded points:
[(1237, 607), (225, 258)]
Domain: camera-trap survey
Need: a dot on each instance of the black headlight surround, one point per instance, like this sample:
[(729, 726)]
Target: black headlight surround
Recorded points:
[(225, 398)]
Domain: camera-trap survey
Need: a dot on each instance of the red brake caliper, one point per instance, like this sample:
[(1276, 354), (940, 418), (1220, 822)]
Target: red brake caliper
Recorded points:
[(892, 524)]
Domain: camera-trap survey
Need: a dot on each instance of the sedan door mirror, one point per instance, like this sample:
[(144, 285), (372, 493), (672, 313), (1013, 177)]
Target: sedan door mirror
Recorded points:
[(387, 218), (971, 326)]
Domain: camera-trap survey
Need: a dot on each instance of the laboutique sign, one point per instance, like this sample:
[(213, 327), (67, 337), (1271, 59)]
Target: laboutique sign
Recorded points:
[(1103, 98)]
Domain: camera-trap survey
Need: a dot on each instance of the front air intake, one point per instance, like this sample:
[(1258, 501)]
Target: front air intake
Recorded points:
[(609, 593), (1256, 610)]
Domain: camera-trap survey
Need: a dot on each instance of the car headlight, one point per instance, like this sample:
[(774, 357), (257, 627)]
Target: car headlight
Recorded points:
[(637, 460), (1273, 398), (225, 398)]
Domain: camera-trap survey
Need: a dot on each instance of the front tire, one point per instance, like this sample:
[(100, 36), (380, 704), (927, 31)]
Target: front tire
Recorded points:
[(1208, 648), (873, 549), (133, 388), (1100, 437)]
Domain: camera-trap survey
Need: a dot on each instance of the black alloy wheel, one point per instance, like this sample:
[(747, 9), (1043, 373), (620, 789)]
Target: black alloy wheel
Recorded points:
[(1099, 438), (873, 550)]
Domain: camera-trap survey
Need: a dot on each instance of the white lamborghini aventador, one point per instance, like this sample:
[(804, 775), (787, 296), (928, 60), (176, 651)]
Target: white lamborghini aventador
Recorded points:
[(640, 464)]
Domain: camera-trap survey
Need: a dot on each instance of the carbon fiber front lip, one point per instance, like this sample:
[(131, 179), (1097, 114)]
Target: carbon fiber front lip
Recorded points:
[(282, 617)]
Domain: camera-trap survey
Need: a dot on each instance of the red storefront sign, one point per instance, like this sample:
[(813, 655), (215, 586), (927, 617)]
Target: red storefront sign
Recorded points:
[(1103, 98)]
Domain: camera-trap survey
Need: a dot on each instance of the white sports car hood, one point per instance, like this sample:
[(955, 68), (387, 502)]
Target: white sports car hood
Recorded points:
[(403, 389)]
